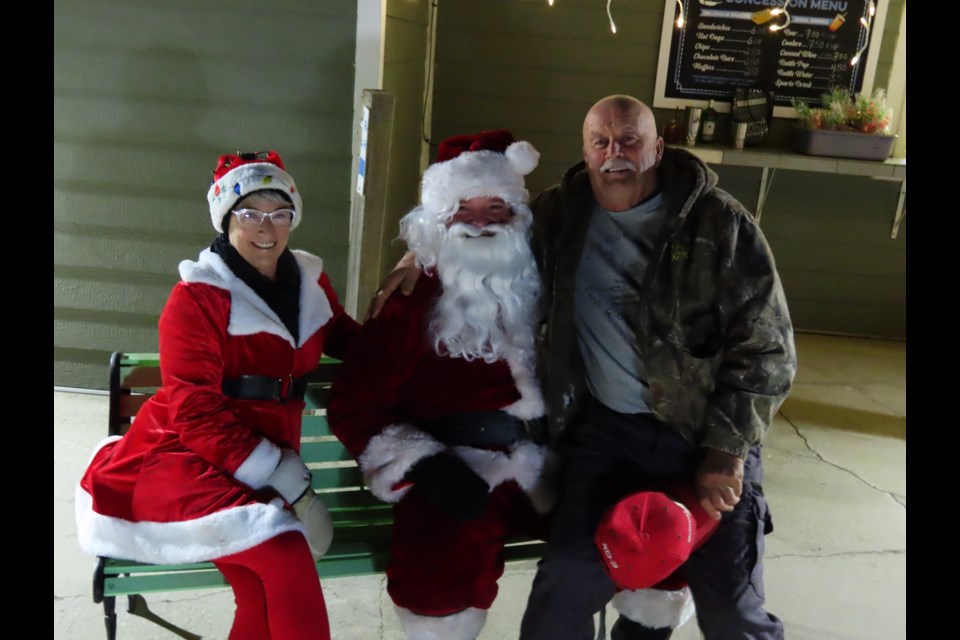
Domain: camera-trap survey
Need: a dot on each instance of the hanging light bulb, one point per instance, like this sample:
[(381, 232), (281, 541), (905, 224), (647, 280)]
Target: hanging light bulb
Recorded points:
[(550, 2), (781, 11), (680, 17), (613, 26), (866, 22)]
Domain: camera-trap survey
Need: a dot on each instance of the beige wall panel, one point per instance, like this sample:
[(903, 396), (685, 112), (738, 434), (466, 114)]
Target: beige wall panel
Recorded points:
[(404, 76)]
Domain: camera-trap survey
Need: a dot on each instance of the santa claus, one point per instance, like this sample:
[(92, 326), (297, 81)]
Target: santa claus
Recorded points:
[(439, 403)]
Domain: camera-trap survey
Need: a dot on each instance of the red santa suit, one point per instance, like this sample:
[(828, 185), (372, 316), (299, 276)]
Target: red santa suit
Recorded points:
[(393, 383), (186, 483)]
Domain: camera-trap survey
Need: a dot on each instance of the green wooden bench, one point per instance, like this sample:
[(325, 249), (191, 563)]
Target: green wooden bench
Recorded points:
[(361, 522)]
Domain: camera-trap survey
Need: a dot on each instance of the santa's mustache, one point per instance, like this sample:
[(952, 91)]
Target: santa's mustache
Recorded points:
[(617, 164), (464, 230)]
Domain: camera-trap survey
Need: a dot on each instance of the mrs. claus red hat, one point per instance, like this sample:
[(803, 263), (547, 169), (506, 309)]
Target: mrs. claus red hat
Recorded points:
[(238, 175)]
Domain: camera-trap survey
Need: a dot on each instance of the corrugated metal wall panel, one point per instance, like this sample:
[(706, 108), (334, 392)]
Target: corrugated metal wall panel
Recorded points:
[(146, 96)]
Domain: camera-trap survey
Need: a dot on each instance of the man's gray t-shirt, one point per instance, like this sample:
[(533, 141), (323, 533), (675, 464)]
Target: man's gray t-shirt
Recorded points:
[(607, 288)]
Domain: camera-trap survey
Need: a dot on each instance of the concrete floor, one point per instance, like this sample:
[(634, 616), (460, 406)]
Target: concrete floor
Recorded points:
[(836, 563)]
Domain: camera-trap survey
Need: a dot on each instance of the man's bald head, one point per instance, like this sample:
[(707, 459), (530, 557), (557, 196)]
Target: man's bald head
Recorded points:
[(622, 105), (622, 151)]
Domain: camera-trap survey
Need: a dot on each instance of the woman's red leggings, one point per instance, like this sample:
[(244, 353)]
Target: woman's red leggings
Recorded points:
[(277, 591)]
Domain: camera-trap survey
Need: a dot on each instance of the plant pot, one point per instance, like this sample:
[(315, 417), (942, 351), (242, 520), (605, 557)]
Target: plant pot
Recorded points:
[(842, 144)]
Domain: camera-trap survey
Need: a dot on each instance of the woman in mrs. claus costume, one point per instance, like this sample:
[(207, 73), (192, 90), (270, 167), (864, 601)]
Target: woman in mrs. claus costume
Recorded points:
[(209, 470)]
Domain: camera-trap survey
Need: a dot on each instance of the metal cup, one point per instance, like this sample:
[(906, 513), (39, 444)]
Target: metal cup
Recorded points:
[(693, 125)]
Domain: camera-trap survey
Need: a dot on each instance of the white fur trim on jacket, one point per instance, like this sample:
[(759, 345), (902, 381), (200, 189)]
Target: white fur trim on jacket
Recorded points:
[(209, 537), (249, 314), (656, 607), (463, 625), (255, 470), (522, 463), (530, 405), (390, 455), (479, 173)]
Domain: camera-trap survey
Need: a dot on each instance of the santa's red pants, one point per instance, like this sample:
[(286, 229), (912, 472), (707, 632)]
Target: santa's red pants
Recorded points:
[(277, 591), (440, 565)]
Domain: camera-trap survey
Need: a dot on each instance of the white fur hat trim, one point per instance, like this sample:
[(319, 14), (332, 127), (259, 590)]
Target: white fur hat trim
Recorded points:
[(246, 179), (475, 174)]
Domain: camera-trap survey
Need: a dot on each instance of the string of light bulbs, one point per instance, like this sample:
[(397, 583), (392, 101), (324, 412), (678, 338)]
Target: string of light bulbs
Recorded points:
[(866, 22), (781, 11), (767, 14), (613, 25)]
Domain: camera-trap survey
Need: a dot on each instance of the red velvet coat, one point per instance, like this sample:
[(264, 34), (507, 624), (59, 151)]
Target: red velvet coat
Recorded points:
[(182, 485), (393, 379)]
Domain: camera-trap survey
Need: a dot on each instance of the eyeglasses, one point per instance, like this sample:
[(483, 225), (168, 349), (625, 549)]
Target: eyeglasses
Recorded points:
[(251, 218)]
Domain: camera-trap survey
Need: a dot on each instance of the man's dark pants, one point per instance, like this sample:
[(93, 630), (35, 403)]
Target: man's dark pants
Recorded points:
[(609, 456)]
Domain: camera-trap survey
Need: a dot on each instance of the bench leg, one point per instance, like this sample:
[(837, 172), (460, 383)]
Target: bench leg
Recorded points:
[(110, 617), (109, 603), (137, 605)]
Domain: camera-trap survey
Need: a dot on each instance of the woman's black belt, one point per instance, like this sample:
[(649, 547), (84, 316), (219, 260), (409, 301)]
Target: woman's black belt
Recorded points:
[(250, 387), (482, 429)]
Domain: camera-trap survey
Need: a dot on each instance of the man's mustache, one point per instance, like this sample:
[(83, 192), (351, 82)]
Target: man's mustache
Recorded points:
[(464, 230), (617, 164)]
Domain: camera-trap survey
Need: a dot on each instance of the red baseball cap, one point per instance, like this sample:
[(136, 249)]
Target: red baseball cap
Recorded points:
[(648, 535)]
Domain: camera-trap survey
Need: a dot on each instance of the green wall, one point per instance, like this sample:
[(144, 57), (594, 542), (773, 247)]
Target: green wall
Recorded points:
[(536, 70), (146, 97), (830, 234), (406, 42)]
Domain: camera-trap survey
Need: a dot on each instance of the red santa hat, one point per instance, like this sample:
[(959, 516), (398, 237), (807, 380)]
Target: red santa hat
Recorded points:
[(489, 163), (646, 536), (238, 175)]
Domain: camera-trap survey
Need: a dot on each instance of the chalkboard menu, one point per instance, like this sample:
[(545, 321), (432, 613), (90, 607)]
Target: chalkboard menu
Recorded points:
[(724, 44)]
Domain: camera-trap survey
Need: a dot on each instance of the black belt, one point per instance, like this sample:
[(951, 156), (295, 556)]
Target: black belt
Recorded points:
[(482, 429), (250, 387)]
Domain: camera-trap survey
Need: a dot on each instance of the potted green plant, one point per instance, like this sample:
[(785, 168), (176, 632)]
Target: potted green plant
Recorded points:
[(845, 126)]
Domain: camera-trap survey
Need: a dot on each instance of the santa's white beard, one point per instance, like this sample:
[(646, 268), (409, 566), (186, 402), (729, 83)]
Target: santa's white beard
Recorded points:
[(490, 295)]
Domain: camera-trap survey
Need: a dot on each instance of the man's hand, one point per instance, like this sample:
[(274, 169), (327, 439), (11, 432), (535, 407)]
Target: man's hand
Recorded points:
[(719, 482), (404, 276)]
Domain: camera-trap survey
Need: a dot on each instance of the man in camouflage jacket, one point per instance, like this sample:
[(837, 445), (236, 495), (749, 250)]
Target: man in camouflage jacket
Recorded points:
[(666, 352)]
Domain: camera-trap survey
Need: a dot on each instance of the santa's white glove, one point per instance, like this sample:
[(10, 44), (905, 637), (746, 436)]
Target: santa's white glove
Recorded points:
[(314, 515), (291, 478)]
